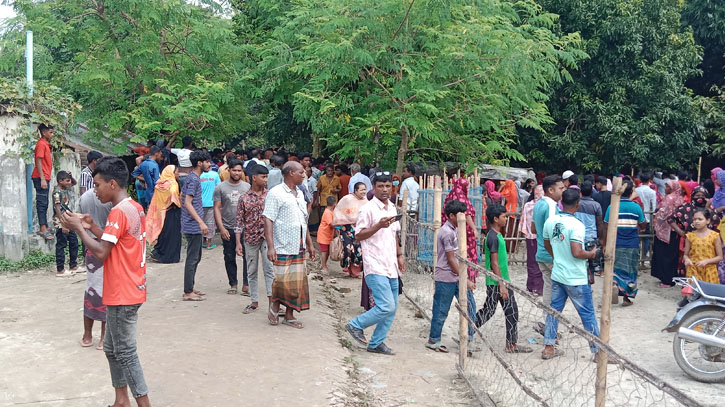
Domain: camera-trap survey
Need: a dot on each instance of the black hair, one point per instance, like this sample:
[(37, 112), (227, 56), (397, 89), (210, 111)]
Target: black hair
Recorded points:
[(198, 156), (549, 182), (601, 180), (710, 186), (234, 162), (276, 161), (629, 187), (329, 166), (93, 156), (61, 175), (187, 141), (357, 185), (494, 211), (302, 156), (331, 200), (343, 168), (411, 168), (645, 177), (704, 211), (682, 175), (573, 180), (383, 178), (590, 178), (454, 207), (154, 150), (587, 188), (570, 197), (112, 168), (259, 170), (43, 127)]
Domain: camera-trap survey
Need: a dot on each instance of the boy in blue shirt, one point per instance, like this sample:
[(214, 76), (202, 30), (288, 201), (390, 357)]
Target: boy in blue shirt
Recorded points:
[(209, 181)]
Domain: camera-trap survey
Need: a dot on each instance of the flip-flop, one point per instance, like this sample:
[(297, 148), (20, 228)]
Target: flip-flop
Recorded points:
[(232, 291), (211, 247), (555, 354), (436, 347), (87, 345), (100, 346), (245, 293), (519, 349), (47, 235), (193, 299), (249, 309), (199, 293), (293, 323), (274, 321)]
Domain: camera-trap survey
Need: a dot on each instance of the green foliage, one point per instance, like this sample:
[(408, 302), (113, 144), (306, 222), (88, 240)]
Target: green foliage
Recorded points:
[(34, 260), (628, 104), (707, 19), (148, 67), (48, 105), (391, 80)]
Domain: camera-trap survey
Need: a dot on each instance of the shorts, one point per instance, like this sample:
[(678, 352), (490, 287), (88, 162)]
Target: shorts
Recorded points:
[(324, 247), (210, 223)]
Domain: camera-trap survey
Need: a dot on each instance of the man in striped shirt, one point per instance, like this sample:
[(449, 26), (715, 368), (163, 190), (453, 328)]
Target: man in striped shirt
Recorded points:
[(87, 172)]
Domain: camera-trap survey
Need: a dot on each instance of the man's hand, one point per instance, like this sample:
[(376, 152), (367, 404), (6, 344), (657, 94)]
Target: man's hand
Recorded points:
[(204, 228), (225, 234), (43, 183), (385, 222), (504, 292), (471, 285), (240, 250), (72, 221), (312, 252), (271, 253), (401, 264)]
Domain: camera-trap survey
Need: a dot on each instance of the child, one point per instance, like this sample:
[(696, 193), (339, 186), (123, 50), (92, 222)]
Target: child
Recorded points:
[(446, 278), (703, 249), (64, 199), (497, 262), (326, 232), (209, 181)]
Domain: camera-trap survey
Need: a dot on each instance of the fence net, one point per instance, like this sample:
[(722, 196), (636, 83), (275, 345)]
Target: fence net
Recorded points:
[(497, 377)]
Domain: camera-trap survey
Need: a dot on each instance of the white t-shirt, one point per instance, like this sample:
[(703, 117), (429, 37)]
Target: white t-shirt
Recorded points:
[(183, 155), (412, 186), (649, 200)]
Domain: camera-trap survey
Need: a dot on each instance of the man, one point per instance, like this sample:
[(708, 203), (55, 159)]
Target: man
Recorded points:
[(226, 201), (660, 181), (41, 175), (305, 160), (249, 238), (564, 240), (543, 210), (87, 172), (376, 230), (148, 172), (626, 260), (209, 182), (410, 185), (183, 155), (341, 172), (192, 224), (590, 214), (285, 224), (358, 176), (649, 202), (329, 184), (604, 197), (573, 181), (565, 178), (527, 187), (275, 173), (122, 248)]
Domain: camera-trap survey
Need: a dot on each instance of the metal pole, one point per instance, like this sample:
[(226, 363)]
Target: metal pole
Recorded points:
[(462, 292), (29, 167)]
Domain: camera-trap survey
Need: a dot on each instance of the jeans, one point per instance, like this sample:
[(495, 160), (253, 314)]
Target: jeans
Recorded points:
[(63, 240), (193, 257), (385, 295), (581, 297), (444, 293), (510, 310), (119, 344), (182, 179), (41, 201), (546, 274), (230, 259), (252, 253)]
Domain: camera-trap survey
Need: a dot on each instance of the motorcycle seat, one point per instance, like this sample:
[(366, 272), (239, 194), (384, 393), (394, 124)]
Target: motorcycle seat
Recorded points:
[(713, 290)]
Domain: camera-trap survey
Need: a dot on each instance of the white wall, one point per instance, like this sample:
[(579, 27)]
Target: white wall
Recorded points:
[(13, 195)]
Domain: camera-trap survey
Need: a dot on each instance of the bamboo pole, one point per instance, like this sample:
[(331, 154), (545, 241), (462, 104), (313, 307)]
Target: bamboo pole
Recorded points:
[(605, 319), (476, 178), (404, 222), (462, 292), (699, 169), (445, 178), (436, 219)]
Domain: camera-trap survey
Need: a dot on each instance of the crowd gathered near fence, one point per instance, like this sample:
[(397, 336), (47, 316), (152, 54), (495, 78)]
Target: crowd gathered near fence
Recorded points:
[(454, 232)]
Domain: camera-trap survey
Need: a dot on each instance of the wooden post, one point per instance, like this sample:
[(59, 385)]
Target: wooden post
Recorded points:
[(437, 204), (445, 178), (607, 281), (459, 173), (462, 291), (476, 179), (404, 222), (699, 169)]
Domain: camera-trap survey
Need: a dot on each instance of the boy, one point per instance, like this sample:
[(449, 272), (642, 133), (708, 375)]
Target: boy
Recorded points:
[(192, 225), (41, 178), (209, 181), (446, 278), (326, 231), (497, 262), (64, 199), (122, 248)]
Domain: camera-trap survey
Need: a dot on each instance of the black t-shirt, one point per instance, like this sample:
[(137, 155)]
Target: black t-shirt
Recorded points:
[(604, 198)]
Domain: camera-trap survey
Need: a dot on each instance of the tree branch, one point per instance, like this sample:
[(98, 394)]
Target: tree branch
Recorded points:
[(370, 74), (407, 13)]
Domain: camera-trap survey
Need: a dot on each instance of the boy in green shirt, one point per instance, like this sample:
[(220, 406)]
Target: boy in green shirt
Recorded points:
[(497, 262)]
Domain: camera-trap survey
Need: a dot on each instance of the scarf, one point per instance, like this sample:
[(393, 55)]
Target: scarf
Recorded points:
[(347, 210), (166, 193), (685, 191), (669, 205), (492, 193), (510, 193), (718, 200)]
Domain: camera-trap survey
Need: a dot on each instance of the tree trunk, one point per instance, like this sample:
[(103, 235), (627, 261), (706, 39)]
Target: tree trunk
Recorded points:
[(316, 145), (403, 150)]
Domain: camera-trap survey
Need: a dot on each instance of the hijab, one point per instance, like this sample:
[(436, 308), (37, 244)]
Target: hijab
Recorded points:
[(685, 191), (459, 192), (510, 193), (492, 193), (166, 193), (699, 202), (347, 210), (718, 200), (669, 205)]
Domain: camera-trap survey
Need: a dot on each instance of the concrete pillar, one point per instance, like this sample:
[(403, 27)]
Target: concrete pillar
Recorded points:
[(13, 198)]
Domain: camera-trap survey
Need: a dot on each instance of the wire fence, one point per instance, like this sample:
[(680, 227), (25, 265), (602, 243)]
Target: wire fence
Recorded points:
[(498, 377)]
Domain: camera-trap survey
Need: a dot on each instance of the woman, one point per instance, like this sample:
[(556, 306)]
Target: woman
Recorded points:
[(681, 220), (718, 203), (535, 281), (163, 220), (459, 192), (666, 245), (396, 184), (345, 217), (510, 193), (492, 192)]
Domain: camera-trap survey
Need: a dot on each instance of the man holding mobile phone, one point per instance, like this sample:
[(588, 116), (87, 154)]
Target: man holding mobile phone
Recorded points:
[(376, 230)]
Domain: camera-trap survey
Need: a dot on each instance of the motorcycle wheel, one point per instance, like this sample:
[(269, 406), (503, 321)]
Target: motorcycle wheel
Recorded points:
[(701, 362)]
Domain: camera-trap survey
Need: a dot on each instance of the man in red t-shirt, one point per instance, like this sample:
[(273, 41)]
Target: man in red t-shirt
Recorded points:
[(122, 248), (41, 177)]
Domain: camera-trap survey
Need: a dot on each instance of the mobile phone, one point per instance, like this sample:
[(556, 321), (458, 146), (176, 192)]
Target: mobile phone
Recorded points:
[(398, 217), (64, 207)]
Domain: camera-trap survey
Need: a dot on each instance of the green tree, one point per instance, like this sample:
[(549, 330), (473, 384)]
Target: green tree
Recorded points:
[(628, 104), (148, 67), (388, 80)]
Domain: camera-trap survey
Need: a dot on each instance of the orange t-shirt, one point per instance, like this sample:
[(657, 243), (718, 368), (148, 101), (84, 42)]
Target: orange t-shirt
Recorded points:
[(42, 151), (124, 271), (344, 182), (326, 232)]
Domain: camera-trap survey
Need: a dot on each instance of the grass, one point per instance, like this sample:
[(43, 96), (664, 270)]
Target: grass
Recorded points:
[(34, 260)]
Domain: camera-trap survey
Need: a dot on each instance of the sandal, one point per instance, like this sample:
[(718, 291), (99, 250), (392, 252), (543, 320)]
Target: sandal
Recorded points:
[(437, 347), (47, 235), (552, 355), (87, 344), (193, 299), (293, 323), (249, 309), (199, 293), (519, 349), (232, 291), (272, 317), (211, 247)]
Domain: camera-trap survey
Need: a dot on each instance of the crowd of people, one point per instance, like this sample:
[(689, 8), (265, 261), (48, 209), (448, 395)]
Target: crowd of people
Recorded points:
[(267, 206)]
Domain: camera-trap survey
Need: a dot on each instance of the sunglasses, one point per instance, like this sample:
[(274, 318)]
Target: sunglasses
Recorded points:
[(379, 173)]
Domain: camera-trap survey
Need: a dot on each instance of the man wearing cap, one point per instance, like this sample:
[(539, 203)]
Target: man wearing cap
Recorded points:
[(565, 177)]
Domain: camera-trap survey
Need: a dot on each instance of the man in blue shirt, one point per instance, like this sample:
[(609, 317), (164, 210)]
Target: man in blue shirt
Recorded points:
[(149, 172), (626, 260), (543, 210), (564, 240)]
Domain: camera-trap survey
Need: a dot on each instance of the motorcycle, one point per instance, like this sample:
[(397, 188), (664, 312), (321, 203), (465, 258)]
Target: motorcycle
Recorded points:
[(699, 326)]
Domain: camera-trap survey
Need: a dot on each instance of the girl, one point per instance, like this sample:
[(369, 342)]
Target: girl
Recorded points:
[(703, 249), (326, 233)]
